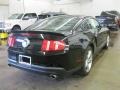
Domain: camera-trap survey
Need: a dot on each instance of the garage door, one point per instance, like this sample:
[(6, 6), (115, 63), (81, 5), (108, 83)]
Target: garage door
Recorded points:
[(3, 12)]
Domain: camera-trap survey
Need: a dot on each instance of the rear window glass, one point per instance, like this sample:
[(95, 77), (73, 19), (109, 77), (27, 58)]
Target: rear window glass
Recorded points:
[(56, 23)]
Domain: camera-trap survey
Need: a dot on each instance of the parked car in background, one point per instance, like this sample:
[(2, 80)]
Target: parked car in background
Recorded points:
[(18, 21), (115, 17), (57, 46), (49, 14), (107, 21)]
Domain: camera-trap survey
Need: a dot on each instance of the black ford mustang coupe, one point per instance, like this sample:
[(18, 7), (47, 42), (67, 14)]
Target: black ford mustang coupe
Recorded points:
[(58, 45)]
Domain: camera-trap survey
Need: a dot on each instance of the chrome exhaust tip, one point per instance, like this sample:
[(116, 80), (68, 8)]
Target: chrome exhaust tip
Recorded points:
[(53, 76), (9, 65)]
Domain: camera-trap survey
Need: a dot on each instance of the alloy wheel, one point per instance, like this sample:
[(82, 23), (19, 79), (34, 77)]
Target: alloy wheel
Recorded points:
[(108, 41), (88, 62)]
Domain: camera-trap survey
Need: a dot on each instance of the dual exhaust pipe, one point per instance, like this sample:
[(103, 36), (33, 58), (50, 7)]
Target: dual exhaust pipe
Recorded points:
[(53, 76)]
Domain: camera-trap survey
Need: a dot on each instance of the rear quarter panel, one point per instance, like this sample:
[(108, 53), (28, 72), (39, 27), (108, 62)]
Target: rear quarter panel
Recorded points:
[(78, 44)]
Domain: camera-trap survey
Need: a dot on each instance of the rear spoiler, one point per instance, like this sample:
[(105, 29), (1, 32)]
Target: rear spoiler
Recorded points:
[(39, 32)]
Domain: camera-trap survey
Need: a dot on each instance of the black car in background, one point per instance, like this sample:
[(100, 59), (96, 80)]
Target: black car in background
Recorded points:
[(58, 46), (114, 19), (107, 21), (49, 14), (102, 20)]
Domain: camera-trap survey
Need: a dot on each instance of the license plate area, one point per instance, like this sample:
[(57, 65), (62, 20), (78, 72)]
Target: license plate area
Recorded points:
[(26, 60)]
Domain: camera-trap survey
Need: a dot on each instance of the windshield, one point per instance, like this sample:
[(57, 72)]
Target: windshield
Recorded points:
[(55, 24), (16, 16)]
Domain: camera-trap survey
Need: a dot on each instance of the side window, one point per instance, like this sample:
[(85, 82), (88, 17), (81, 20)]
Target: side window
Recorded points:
[(33, 15), (94, 23), (42, 16), (30, 16), (27, 16), (85, 25)]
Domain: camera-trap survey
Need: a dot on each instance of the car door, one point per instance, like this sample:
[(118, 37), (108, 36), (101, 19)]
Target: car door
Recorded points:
[(100, 33), (27, 20)]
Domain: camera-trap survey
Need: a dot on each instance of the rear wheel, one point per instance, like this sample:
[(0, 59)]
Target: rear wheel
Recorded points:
[(16, 28), (88, 59)]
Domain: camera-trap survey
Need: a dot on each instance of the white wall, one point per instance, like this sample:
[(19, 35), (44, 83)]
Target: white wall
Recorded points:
[(84, 7), (16, 6), (4, 10), (4, 2), (87, 7), (38, 6)]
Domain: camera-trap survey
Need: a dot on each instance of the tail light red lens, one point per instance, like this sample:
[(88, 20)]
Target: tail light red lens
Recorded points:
[(51, 45), (11, 41)]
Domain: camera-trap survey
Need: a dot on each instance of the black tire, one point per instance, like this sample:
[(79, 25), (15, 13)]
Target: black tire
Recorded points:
[(85, 69), (16, 28), (107, 42)]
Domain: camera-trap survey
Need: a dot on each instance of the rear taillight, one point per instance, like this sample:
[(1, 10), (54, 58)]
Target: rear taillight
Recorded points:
[(11, 41), (51, 45)]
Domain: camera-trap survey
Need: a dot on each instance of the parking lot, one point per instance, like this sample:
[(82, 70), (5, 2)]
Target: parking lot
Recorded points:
[(103, 76)]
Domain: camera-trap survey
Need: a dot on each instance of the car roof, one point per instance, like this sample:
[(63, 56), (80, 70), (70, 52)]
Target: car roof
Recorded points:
[(79, 16), (111, 11), (52, 13)]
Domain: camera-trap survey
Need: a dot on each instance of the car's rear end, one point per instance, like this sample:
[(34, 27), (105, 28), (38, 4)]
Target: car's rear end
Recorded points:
[(113, 23), (44, 47), (41, 52), (117, 18), (112, 19), (107, 22)]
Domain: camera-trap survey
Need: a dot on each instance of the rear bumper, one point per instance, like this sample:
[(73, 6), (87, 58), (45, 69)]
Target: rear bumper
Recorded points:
[(38, 69)]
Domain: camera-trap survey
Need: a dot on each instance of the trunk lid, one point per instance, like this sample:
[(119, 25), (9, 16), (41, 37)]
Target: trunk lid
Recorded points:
[(32, 41)]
